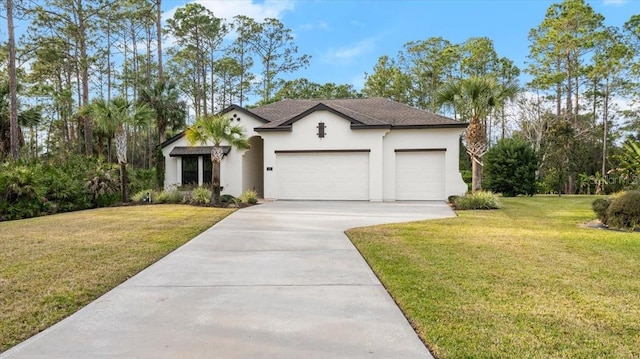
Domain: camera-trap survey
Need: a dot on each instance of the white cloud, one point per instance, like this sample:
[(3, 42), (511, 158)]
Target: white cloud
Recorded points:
[(351, 52), (319, 26), (227, 9), (614, 2)]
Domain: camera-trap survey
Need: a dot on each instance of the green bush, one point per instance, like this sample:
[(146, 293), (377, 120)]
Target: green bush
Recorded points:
[(476, 200), (600, 207), (200, 195), (171, 196), (103, 186), (467, 177), (39, 187), (142, 179), (21, 192), (227, 199), (510, 168), (624, 211), (144, 196), (249, 197)]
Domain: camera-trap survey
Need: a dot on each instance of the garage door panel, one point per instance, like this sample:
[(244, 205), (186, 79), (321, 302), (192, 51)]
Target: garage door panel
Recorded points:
[(323, 176), (420, 175)]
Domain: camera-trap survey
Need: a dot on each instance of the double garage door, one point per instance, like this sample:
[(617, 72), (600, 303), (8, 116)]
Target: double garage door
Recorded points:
[(344, 175)]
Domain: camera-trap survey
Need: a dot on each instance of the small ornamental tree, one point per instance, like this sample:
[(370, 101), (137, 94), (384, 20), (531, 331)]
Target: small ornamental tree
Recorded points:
[(510, 168), (216, 130)]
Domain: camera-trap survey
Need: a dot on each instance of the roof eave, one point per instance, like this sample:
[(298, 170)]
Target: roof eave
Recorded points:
[(171, 140), (273, 129), (369, 127), (411, 127)]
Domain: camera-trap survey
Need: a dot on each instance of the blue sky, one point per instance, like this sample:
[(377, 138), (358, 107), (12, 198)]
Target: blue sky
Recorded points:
[(346, 38)]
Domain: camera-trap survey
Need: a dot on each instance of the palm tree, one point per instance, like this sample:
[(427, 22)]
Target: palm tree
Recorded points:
[(163, 97), (111, 117), (216, 129), (474, 98)]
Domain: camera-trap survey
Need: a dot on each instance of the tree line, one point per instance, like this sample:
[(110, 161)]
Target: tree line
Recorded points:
[(84, 68), (76, 53), (570, 111)]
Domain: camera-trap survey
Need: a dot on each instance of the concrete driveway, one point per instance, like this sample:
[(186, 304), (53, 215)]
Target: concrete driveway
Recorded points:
[(278, 280)]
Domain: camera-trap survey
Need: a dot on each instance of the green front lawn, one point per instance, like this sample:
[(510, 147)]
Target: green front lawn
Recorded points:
[(521, 282), (52, 266)]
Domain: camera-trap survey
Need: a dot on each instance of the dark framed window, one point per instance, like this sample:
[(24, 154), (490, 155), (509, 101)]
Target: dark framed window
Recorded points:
[(189, 171), (206, 169)]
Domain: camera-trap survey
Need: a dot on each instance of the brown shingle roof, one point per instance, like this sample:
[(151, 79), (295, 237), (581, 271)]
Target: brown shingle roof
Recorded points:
[(363, 113)]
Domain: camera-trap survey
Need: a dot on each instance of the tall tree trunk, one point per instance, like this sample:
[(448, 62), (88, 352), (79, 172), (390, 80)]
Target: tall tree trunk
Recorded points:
[(108, 59), (159, 36), (558, 93), (242, 70), (476, 174), (84, 66), (569, 103), (215, 182), (212, 80), (14, 128), (123, 182), (216, 158), (605, 127), (121, 149)]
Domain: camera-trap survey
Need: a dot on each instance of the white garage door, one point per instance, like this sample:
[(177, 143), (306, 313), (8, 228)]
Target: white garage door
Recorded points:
[(420, 175), (323, 175)]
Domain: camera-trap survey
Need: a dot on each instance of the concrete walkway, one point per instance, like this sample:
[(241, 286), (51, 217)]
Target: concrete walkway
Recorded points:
[(278, 280)]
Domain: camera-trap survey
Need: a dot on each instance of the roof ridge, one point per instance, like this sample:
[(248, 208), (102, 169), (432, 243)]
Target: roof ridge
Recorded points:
[(420, 109), (360, 113)]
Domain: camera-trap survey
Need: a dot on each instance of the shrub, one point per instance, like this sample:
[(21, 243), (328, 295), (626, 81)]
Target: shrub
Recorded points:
[(103, 186), (476, 200), (510, 168), (143, 196), (200, 195), (21, 192), (142, 179), (39, 187), (171, 196), (624, 211), (249, 197), (467, 177), (227, 199), (600, 207)]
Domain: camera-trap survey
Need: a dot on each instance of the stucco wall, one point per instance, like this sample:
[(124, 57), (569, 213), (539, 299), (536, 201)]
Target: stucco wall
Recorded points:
[(253, 167), (338, 136), (231, 166)]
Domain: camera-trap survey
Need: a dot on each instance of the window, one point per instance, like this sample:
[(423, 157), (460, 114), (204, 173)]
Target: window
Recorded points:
[(189, 171), (206, 168)]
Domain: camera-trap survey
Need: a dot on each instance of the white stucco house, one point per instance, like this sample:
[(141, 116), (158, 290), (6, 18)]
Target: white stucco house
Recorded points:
[(347, 149)]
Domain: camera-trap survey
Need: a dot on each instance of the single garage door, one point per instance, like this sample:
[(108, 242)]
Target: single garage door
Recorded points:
[(328, 175), (420, 175)]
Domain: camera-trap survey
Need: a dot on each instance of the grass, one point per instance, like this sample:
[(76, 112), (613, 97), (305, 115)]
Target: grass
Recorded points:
[(524, 281), (52, 266)]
